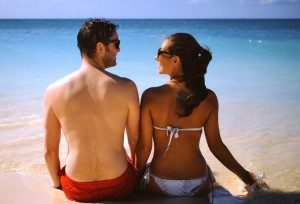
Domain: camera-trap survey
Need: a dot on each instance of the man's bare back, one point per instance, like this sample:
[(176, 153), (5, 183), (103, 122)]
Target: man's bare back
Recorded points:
[(98, 103), (93, 108)]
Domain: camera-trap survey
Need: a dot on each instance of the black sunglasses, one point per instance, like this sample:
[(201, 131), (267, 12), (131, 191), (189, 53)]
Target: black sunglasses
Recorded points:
[(117, 43), (159, 52)]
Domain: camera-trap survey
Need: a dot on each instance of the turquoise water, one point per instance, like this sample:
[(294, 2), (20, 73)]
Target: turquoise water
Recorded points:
[(255, 72)]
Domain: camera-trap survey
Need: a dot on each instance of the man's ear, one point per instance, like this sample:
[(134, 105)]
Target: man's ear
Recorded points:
[(100, 47)]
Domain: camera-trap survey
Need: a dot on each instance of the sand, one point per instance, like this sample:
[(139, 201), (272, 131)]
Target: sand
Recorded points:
[(18, 188)]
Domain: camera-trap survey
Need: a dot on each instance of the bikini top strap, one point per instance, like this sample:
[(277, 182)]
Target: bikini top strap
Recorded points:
[(174, 132)]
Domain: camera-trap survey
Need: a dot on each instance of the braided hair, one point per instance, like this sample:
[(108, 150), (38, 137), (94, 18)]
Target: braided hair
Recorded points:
[(194, 60)]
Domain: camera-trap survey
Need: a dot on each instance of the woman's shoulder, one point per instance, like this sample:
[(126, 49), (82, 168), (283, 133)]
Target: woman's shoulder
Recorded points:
[(159, 90), (211, 94), (211, 98)]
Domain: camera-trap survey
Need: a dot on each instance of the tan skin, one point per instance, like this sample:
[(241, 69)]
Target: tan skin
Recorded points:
[(183, 159), (83, 105)]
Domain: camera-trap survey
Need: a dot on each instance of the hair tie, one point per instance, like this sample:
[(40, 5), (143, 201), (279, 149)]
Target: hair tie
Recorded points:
[(201, 51), (188, 97)]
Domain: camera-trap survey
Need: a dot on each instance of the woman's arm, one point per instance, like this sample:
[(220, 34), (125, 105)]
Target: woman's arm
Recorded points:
[(219, 149)]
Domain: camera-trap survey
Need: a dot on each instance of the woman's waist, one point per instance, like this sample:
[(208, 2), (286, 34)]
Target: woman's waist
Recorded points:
[(180, 169)]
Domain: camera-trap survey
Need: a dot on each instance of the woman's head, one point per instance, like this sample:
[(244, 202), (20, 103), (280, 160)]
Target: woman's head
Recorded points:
[(194, 58), (194, 61)]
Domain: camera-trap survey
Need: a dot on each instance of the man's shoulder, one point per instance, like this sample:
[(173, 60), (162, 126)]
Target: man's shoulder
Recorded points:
[(123, 81), (58, 83), (62, 82)]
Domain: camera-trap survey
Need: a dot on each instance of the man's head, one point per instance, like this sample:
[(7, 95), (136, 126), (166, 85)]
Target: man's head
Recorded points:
[(94, 31)]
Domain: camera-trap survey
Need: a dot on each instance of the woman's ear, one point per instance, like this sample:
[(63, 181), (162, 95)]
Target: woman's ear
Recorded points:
[(176, 59)]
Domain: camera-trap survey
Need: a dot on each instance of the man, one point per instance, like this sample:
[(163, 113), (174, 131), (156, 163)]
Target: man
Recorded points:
[(93, 108)]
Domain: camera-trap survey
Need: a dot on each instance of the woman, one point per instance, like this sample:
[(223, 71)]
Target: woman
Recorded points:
[(174, 115)]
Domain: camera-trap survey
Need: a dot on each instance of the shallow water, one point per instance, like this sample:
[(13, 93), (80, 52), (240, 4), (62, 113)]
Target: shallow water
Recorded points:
[(255, 73)]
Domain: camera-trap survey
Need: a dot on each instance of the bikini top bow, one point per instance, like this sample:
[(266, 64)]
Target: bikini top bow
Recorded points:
[(174, 133)]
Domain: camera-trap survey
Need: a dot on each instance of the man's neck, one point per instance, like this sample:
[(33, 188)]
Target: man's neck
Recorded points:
[(93, 62)]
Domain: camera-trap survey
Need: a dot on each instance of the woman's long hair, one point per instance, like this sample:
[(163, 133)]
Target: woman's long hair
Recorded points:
[(194, 60)]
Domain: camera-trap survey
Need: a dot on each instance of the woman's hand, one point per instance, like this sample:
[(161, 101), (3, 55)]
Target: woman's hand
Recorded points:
[(259, 183)]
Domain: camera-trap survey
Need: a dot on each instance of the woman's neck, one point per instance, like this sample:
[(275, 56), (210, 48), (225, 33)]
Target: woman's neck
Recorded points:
[(179, 84), (177, 79)]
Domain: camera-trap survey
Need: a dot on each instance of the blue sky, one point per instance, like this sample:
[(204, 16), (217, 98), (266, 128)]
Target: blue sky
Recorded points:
[(150, 8)]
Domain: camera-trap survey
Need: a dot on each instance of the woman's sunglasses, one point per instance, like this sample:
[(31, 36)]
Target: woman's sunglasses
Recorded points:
[(117, 43), (159, 52)]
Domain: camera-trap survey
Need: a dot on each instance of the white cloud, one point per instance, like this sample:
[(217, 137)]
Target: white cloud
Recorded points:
[(268, 1), (23, 2), (14, 2), (197, 1), (243, 2), (277, 1)]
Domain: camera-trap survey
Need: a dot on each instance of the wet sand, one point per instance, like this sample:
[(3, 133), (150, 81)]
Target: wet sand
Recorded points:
[(19, 188)]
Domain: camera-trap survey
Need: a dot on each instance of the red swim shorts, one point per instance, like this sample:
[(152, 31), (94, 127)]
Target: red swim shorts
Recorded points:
[(114, 189)]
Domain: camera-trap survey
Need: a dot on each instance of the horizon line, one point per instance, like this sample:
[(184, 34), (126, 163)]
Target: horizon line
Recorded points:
[(279, 18)]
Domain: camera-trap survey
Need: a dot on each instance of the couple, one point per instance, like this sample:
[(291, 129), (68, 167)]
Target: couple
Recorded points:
[(93, 108)]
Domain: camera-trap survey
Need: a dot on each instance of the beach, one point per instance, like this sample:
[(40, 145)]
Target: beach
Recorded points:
[(255, 73)]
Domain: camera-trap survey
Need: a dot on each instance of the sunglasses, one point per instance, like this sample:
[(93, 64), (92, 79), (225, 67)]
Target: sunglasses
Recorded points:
[(117, 43), (159, 52)]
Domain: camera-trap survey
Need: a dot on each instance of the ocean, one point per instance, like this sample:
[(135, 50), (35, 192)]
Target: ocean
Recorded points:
[(255, 73)]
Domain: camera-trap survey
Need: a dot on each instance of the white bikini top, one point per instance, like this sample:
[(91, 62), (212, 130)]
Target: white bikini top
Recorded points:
[(174, 132)]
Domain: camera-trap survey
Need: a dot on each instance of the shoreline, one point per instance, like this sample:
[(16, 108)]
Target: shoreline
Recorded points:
[(254, 74), (21, 188)]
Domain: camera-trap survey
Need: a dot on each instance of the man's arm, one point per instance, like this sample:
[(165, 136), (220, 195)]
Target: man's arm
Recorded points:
[(144, 146), (52, 139), (132, 125)]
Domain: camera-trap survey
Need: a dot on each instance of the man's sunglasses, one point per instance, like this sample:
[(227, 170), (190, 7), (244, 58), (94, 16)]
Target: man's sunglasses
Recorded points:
[(117, 43), (159, 52)]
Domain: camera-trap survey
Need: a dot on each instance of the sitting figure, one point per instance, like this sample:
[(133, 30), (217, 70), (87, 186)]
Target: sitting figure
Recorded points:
[(173, 117)]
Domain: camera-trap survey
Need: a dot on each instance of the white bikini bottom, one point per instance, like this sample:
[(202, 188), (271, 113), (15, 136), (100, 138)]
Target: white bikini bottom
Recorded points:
[(187, 187)]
